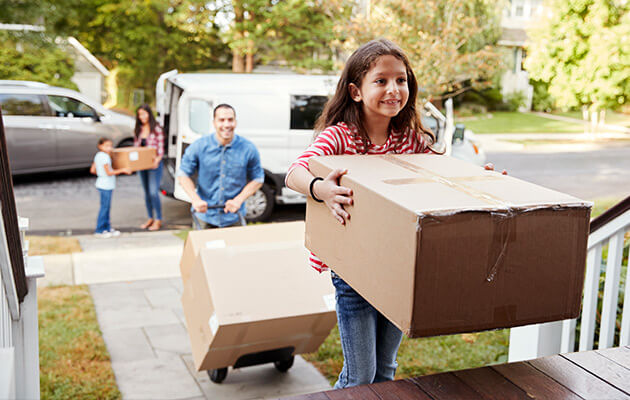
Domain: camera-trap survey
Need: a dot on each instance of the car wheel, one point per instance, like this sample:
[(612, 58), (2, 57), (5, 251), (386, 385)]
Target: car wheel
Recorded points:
[(260, 205), (126, 143)]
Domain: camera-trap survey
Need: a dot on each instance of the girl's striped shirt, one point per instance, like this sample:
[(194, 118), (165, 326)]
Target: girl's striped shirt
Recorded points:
[(343, 139)]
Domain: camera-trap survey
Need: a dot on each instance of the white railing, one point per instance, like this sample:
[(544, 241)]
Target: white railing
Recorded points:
[(540, 340), (19, 333)]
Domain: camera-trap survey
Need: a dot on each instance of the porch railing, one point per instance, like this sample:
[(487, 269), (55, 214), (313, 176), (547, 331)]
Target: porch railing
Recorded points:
[(607, 233)]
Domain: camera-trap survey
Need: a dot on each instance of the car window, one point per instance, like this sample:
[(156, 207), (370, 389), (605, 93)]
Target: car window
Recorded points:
[(430, 122), (63, 106), (22, 104), (200, 112), (305, 110)]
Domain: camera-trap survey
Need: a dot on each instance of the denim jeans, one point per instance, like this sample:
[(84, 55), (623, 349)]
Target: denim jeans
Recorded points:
[(102, 221), (368, 340), (150, 179)]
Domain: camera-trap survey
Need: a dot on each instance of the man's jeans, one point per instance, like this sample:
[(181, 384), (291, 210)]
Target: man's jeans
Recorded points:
[(102, 221), (368, 340)]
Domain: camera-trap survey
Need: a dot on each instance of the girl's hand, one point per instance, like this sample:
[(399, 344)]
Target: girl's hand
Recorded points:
[(490, 167), (333, 195)]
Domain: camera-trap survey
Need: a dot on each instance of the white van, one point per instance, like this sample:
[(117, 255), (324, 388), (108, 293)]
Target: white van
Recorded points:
[(276, 112)]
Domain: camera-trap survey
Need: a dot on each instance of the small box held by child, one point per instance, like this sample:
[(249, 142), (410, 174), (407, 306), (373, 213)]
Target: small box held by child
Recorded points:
[(105, 183)]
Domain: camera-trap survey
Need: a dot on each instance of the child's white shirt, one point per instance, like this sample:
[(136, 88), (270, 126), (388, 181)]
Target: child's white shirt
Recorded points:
[(104, 181)]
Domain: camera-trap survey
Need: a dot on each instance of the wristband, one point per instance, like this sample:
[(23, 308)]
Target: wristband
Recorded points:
[(310, 189)]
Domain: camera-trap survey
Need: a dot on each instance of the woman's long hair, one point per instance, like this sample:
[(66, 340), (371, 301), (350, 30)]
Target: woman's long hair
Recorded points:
[(152, 122), (342, 108)]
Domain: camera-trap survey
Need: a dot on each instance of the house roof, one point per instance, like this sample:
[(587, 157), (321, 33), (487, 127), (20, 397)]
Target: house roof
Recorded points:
[(88, 56), (513, 37)]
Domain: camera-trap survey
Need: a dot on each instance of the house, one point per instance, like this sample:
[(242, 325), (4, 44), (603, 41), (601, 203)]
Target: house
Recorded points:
[(518, 16), (89, 73)]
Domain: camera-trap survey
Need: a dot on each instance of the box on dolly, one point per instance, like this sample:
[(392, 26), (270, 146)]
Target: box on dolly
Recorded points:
[(250, 298)]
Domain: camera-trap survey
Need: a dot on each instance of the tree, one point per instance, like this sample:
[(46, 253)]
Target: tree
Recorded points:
[(451, 44), (582, 50), (297, 33)]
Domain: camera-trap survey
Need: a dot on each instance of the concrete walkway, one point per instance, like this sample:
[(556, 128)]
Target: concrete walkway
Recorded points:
[(134, 281)]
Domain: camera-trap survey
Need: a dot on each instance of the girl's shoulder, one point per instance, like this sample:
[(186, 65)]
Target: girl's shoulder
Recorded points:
[(340, 128)]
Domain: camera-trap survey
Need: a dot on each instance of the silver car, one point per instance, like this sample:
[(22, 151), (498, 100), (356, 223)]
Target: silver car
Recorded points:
[(50, 128)]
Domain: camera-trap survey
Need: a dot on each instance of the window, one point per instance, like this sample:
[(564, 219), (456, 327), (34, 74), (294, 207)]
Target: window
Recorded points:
[(305, 110), (63, 106), (199, 116), (22, 104)]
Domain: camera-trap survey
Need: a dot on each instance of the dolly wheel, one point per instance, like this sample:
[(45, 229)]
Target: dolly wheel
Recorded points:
[(217, 375), (284, 365)]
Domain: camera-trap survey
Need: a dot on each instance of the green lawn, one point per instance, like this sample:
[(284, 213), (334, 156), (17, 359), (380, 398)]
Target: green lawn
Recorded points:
[(74, 362), (612, 117), (516, 122)]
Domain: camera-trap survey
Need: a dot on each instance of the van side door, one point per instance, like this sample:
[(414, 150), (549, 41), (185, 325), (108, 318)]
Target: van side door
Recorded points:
[(30, 131)]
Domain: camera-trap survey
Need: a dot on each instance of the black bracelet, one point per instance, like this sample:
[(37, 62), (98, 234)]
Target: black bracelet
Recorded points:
[(310, 188)]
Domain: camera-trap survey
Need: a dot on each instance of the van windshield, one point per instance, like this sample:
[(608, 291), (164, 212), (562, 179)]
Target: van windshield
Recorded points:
[(199, 117)]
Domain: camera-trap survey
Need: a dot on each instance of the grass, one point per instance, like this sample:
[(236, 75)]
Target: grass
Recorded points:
[(74, 362), (515, 122), (183, 234), (44, 245), (612, 117), (598, 141), (424, 356)]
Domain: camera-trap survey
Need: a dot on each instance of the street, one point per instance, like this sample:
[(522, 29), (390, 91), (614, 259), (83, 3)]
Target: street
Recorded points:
[(67, 203)]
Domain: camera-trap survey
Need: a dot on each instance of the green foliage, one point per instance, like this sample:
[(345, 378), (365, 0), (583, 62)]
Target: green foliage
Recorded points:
[(514, 101), (582, 51), (295, 33), (34, 57), (451, 45), (542, 99)]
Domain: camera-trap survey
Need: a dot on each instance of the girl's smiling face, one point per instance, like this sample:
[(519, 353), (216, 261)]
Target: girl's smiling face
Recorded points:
[(384, 90)]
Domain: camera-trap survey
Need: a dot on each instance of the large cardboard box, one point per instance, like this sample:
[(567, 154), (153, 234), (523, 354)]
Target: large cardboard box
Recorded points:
[(243, 300), (135, 158), (440, 246), (236, 236)]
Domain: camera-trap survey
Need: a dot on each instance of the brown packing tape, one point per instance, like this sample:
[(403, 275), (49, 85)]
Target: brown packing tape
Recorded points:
[(433, 177)]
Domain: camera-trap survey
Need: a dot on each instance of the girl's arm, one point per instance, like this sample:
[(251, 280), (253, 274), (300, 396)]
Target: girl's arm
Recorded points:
[(160, 146), (328, 190), (119, 171), (93, 169)]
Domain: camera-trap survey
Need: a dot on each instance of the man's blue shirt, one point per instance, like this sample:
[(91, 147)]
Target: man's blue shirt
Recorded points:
[(223, 171)]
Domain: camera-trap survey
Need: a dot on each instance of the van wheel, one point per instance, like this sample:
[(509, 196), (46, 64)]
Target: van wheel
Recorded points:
[(260, 205), (217, 375)]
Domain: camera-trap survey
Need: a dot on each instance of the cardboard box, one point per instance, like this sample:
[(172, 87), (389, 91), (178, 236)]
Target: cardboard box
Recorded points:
[(235, 236), (136, 158), (242, 300), (440, 246)]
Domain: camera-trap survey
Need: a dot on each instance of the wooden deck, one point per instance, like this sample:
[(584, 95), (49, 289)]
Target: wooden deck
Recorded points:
[(598, 374)]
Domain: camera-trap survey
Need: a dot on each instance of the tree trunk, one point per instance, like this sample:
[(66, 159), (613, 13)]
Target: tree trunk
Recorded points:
[(238, 62), (249, 57)]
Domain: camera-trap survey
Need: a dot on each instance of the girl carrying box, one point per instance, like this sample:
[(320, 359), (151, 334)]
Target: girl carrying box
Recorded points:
[(373, 111)]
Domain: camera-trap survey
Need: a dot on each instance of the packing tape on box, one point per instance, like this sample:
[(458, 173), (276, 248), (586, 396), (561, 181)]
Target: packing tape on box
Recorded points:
[(213, 322), (133, 156), (503, 221), (330, 301)]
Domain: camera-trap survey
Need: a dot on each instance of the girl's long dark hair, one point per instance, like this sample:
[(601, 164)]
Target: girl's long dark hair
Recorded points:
[(342, 108), (152, 122)]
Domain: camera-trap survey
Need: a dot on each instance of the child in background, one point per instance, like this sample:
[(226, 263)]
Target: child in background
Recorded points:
[(105, 183), (373, 111)]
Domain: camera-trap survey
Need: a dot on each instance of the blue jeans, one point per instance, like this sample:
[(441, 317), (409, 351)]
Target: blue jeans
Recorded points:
[(150, 179), (102, 221), (368, 340)]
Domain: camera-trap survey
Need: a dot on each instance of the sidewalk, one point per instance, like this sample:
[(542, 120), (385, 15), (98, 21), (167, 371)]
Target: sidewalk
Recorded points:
[(135, 283), (548, 142)]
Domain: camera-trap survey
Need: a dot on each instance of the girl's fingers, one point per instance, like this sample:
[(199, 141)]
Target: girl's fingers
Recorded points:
[(343, 200), (342, 191)]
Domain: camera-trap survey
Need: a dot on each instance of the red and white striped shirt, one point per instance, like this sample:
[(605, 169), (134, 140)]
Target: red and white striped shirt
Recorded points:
[(343, 139)]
